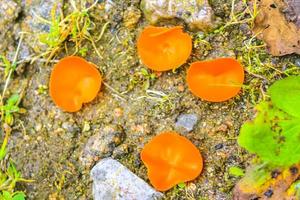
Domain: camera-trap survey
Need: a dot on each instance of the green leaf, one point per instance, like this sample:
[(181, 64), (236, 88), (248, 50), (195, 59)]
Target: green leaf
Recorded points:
[(273, 135), (13, 99), (3, 153), (8, 118), (285, 94), (181, 185), (7, 64), (144, 72), (236, 171), (19, 196), (6, 195), (14, 109)]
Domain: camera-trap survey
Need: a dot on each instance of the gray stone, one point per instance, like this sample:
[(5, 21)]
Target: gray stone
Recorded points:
[(297, 62), (9, 11), (102, 144), (41, 9), (70, 127), (186, 122), (292, 12), (197, 14), (113, 181)]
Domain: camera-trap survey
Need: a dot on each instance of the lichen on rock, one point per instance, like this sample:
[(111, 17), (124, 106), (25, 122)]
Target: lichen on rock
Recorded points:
[(9, 12), (196, 13)]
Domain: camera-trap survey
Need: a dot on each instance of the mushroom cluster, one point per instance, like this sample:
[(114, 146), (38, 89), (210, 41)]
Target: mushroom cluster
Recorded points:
[(163, 49), (170, 158)]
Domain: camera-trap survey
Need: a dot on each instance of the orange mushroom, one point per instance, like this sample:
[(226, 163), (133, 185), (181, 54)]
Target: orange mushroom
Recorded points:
[(215, 80), (162, 48), (74, 81), (171, 159)]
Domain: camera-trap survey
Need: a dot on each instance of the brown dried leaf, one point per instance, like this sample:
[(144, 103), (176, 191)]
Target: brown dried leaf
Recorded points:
[(281, 35), (279, 185)]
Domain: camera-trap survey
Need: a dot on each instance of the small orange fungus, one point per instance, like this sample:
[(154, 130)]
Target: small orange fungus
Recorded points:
[(74, 81), (162, 48), (171, 159), (216, 80)]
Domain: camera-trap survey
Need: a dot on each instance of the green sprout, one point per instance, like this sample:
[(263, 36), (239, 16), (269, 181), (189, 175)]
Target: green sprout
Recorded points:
[(9, 175), (247, 16), (181, 185), (9, 108), (42, 89), (83, 51), (8, 66), (161, 99), (143, 78), (75, 28), (236, 171)]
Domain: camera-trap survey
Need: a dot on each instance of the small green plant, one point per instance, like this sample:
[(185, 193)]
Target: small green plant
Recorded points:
[(246, 16), (9, 108), (42, 89), (75, 27), (8, 181), (9, 175), (15, 196), (162, 100), (274, 134), (142, 77), (236, 171), (8, 66), (181, 185), (11, 105)]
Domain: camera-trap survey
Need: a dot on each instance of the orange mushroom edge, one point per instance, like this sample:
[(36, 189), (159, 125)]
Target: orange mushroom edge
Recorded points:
[(171, 159), (162, 48), (74, 81), (215, 80)]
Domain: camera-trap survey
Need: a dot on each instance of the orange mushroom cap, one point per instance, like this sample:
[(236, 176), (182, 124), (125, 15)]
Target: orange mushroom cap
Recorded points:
[(216, 80), (171, 159), (74, 81), (162, 48)]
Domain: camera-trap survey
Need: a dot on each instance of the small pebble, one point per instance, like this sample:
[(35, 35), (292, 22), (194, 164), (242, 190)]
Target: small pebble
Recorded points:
[(268, 193), (275, 174), (112, 180), (219, 146), (294, 170), (118, 112), (186, 122), (297, 62)]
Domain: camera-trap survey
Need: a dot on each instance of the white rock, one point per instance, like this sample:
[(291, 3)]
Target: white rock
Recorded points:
[(113, 181)]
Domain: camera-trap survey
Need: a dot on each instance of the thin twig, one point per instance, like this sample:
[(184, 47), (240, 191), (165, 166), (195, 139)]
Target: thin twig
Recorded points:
[(116, 93), (102, 31), (12, 69)]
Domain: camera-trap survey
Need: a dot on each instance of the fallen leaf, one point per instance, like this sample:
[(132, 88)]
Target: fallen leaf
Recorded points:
[(282, 36)]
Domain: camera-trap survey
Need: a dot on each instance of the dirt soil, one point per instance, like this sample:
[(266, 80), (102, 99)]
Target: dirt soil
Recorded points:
[(47, 143)]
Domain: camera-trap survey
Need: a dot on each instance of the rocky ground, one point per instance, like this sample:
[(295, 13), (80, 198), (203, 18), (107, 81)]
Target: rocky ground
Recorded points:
[(58, 149)]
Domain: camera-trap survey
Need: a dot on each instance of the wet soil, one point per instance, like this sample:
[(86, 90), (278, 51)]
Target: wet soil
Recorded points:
[(47, 143)]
